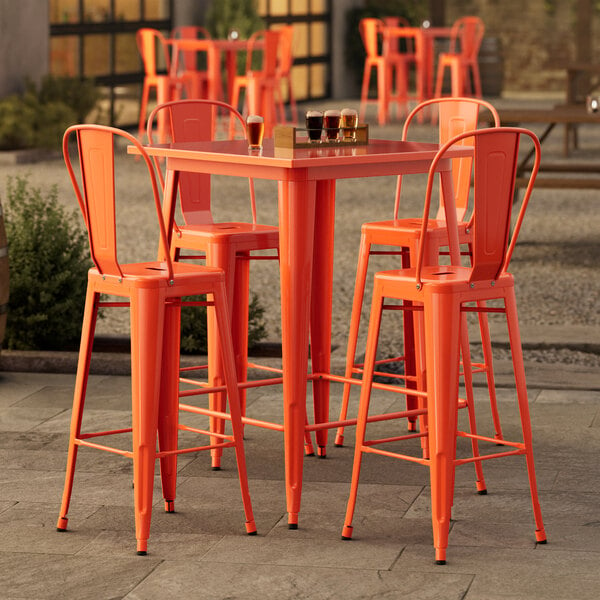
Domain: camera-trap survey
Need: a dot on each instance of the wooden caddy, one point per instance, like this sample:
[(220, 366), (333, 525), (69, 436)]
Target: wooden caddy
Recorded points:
[(287, 137)]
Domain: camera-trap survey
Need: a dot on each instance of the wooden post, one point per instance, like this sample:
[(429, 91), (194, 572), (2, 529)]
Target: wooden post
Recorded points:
[(583, 44), (437, 13)]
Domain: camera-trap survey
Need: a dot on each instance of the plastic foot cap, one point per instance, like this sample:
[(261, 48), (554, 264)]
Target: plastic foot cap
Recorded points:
[(339, 441), (216, 468), (62, 524), (169, 506), (347, 532), (142, 553), (482, 492), (292, 525), (540, 537), (250, 527), (322, 452), (412, 426), (440, 562)]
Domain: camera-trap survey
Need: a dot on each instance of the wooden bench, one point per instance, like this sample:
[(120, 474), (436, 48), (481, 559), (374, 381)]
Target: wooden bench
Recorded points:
[(573, 175)]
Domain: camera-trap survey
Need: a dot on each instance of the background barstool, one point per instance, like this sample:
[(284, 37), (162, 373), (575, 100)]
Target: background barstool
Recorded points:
[(456, 115)]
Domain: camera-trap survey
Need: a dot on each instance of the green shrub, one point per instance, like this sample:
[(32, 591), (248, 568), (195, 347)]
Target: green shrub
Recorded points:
[(49, 260), (80, 95), (38, 118), (16, 119), (242, 15), (193, 326), (233, 14)]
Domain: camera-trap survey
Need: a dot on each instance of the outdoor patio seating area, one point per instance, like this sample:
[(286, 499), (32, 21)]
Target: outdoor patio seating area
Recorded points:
[(202, 550)]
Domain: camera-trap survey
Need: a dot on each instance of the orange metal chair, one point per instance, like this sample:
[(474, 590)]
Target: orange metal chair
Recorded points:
[(284, 74), (462, 59), (153, 291), (443, 294), (154, 51), (455, 116), (260, 85), (198, 83), (225, 245), (407, 54), (385, 64)]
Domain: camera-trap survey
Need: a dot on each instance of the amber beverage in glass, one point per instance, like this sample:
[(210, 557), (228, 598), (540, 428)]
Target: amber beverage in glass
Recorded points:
[(255, 130), (331, 122), (349, 123)]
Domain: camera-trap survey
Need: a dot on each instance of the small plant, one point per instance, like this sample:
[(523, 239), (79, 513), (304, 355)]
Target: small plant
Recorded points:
[(49, 260), (240, 15), (193, 326), (80, 95), (38, 118), (226, 15)]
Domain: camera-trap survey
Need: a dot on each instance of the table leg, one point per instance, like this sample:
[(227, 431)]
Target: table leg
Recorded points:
[(321, 304), (296, 237), (253, 91), (231, 69), (215, 86)]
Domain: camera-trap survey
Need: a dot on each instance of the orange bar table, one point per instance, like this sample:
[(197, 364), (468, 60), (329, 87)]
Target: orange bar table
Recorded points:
[(429, 35), (215, 48), (306, 187), (424, 42)]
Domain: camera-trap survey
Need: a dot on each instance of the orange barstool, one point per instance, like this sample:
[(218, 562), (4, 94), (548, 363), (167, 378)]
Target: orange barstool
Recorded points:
[(260, 85), (153, 292), (462, 59), (154, 51), (284, 74), (402, 48), (199, 82), (455, 116), (227, 245), (442, 293), (385, 65)]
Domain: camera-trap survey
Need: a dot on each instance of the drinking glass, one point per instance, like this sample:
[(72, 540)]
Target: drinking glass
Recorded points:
[(331, 122), (314, 125), (349, 124), (255, 129)]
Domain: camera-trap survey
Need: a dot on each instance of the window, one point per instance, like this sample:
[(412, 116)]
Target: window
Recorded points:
[(312, 35), (96, 38)]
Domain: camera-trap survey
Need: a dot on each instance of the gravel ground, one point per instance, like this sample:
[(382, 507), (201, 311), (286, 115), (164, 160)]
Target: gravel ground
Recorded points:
[(555, 263)]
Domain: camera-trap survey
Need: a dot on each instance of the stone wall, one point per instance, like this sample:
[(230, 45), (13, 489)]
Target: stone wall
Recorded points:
[(537, 38)]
